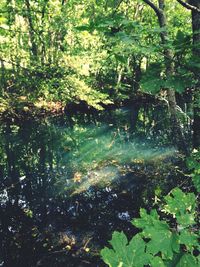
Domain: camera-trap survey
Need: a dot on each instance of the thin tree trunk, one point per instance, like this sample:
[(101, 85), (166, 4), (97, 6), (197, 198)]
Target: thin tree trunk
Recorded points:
[(2, 78), (42, 37), (34, 50)]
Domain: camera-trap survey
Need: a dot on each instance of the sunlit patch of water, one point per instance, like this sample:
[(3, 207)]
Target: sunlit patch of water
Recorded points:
[(101, 177), (89, 177)]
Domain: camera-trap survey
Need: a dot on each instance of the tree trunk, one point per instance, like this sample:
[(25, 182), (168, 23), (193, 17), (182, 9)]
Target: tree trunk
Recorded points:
[(196, 56), (177, 133), (2, 77), (42, 36), (34, 50)]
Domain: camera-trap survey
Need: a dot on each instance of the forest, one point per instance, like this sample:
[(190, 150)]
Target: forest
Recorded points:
[(99, 133)]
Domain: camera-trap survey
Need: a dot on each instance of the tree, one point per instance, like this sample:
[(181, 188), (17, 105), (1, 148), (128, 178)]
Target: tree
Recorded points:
[(194, 6), (177, 131)]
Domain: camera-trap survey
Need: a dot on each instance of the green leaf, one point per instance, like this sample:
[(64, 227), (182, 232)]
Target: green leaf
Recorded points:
[(194, 165), (151, 80), (109, 257), (119, 242), (187, 260), (196, 181), (181, 206), (161, 238), (150, 220), (157, 262), (189, 239), (157, 244), (126, 254), (162, 242), (177, 82), (137, 247)]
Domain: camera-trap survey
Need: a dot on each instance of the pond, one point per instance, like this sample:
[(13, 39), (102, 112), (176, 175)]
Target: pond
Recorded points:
[(64, 190)]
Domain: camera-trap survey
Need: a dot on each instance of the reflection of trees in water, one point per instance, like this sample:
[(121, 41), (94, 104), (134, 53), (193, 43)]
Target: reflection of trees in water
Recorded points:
[(24, 157), (38, 160), (28, 160)]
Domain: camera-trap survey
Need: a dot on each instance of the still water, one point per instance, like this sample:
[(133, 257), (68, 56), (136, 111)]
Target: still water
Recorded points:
[(64, 190)]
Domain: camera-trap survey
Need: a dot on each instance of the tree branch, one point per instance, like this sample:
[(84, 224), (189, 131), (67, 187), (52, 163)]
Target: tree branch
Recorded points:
[(154, 7), (188, 6)]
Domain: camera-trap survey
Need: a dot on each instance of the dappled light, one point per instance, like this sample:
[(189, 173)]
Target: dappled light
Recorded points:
[(99, 133)]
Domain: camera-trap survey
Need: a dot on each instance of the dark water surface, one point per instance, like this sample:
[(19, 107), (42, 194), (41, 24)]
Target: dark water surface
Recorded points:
[(64, 191)]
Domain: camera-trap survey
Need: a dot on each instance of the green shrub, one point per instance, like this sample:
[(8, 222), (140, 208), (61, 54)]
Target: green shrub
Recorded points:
[(158, 244)]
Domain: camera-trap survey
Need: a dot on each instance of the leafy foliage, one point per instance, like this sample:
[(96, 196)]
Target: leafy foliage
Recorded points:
[(183, 210), (124, 253), (162, 240), (153, 79), (158, 244), (194, 165)]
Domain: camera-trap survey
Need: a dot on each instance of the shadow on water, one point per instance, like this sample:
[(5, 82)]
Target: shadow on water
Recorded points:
[(63, 191)]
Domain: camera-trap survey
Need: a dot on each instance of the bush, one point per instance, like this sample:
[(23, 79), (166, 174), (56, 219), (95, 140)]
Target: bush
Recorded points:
[(158, 244)]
